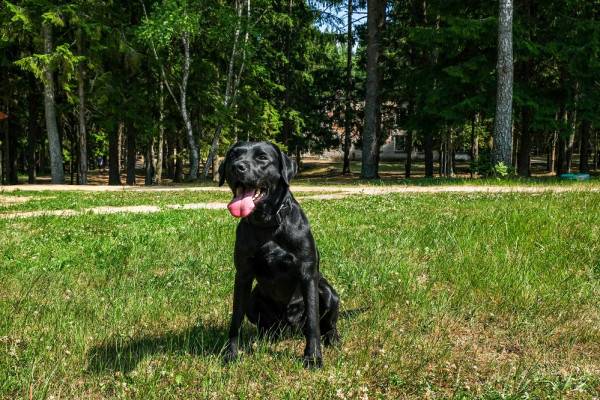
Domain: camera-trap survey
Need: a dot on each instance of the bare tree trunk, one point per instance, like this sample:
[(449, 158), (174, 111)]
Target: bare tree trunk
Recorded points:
[(474, 142), (524, 156), (161, 134), (348, 119), (34, 131), (10, 148), (552, 152), (442, 162), (584, 155), (503, 121), (12, 172), (178, 164), (83, 167), (171, 148), (561, 145), (231, 84), (2, 157), (55, 148), (149, 163), (572, 122), (370, 145), (409, 150), (428, 148), (131, 153), (114, 155), (596, 151), (184, 111)]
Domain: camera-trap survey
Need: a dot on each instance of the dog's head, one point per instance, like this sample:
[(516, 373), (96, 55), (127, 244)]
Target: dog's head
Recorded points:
[(257, 173)]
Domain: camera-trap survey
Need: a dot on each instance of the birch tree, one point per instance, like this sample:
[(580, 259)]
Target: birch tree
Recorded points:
[(174, 22), (238, 55)]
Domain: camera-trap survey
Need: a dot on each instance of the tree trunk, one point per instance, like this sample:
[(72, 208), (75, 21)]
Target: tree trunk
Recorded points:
[(10, 150), (447, 152), (409, 150), (178, 164), (370, 143), (561, 143), (474, 143), (114, 155), (596, 150), (524, 150), (503, 121), (572, 122), (161, 135), (34, 131), (584, 155), (2, 154), (231, 84), (149, 163), (348, 119), (55, 148), (184, 111), (442, 150), (552, 152), (12, 170), (131, 153), (170, 158), (428, 148), (83, 165)]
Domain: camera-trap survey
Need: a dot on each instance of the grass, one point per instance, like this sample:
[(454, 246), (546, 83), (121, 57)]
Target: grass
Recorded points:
[(444, 296)]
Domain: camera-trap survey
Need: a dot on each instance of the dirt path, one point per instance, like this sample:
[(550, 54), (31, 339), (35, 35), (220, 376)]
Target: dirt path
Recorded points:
[(362, 189), (323, 193)]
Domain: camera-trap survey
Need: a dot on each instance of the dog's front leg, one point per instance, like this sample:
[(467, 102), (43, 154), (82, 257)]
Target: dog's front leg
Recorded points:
[(241, 295), (310, 292)]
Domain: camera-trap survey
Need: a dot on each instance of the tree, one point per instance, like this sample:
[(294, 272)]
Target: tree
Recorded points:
[(349, 88), (233, 79), (175, 21), (370, 143), (503, 121), (83, 165)]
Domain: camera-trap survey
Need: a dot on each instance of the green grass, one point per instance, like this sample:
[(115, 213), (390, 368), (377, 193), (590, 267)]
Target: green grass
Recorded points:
[(443, 296)]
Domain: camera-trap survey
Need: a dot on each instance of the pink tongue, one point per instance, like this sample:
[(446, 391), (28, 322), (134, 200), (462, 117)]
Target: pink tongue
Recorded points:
[(242, 205)]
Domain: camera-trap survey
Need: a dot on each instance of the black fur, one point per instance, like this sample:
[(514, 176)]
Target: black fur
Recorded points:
[(275, 247)]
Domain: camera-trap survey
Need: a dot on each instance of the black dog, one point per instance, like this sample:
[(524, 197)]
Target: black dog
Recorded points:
[(275, 246)]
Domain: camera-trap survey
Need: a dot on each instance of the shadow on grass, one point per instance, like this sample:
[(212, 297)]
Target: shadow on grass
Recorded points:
[(123, 354)]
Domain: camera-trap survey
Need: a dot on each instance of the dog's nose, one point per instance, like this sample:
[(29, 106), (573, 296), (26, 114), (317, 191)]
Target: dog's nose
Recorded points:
[(240, 167)]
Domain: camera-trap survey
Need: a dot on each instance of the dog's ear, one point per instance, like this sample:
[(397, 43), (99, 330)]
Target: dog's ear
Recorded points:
[(287, 167), (222, 168)]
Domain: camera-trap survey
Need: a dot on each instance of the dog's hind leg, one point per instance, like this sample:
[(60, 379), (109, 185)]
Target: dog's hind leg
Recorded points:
[(329, 305), (264, 313)]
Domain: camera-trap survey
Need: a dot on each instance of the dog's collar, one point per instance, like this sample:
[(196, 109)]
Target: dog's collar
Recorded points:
[(282, 211)]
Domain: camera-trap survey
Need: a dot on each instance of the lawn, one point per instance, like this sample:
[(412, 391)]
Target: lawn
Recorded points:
[(443, 295)]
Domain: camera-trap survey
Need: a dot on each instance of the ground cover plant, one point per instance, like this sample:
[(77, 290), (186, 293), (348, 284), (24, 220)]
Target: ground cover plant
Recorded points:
[(443, 295)]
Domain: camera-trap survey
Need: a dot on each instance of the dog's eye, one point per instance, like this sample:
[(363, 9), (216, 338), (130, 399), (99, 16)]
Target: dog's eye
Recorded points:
[(262, 157)]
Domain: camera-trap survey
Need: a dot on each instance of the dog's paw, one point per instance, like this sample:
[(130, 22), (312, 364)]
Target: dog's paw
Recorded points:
[(313, 362), (230, 356)]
